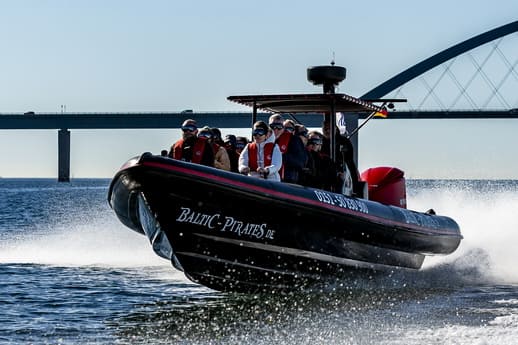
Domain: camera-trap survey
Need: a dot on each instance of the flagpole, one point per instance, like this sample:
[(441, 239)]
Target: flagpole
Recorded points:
[(371, 115)]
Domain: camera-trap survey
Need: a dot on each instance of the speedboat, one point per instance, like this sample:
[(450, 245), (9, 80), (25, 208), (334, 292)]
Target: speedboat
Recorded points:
[(232, 232)]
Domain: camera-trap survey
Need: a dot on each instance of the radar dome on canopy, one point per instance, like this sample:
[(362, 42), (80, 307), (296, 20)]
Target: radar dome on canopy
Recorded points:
[(328, 76)]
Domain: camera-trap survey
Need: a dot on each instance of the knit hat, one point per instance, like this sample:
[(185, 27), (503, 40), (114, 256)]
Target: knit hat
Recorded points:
[(261, 125)]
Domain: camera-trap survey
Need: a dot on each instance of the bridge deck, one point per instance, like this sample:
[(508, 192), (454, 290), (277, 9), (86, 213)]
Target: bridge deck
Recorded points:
[(220, 119)]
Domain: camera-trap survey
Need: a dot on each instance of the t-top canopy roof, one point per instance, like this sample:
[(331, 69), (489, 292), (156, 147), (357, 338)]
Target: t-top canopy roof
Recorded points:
[(308, 103)]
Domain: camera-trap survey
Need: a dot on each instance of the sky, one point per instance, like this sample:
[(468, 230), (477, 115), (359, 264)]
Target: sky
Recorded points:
[(103, 56)]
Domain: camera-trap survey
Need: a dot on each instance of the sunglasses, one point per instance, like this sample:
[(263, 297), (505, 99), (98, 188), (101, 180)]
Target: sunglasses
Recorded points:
[(276, 126), (289, 129), (259, 132), (205, 135), (314, 142), (240, 145), (303, 133), (189, 128)]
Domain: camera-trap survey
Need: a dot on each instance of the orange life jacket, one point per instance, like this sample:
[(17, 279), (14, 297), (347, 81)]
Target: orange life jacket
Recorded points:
[(252, 155), (197, 152)]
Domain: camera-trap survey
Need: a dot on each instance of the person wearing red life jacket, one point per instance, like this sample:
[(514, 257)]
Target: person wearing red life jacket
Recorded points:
[(262, 157), (292, 149), (191, 148)]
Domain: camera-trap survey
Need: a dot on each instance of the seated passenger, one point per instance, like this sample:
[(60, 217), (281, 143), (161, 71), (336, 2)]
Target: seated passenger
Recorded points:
[(262, 157), (349, 177), (289, 126), (302, 132), (221, 160), (240, 144), (230, 145), (190, 148), (320, 171), (216, 136)]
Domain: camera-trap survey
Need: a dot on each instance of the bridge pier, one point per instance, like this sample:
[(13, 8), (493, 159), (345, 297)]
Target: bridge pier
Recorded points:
[(64, 155)]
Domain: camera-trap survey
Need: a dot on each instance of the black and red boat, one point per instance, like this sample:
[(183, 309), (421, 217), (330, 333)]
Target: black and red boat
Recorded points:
[(238, 233)]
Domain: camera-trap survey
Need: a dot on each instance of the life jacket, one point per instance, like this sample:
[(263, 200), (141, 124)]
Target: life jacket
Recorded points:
[(283, 141), (197, 151), (252, 155)]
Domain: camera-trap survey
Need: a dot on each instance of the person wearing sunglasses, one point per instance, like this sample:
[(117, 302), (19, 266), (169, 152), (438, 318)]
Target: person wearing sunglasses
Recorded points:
[(191, 148), (229, 143), (319, 171), (289, 126), (262, 157), (221, 159), (348, 174), (240, 144), (302, 132), (292, 149)]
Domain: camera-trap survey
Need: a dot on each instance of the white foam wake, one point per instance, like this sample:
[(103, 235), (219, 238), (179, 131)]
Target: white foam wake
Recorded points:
[(489, 224), (100, 242)]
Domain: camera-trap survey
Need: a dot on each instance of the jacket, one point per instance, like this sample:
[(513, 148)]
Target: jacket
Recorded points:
[(276, 159), (221, 159)]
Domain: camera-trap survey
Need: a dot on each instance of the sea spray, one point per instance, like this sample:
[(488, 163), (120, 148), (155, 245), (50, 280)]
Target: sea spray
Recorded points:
[(486, 212), (83, 244)]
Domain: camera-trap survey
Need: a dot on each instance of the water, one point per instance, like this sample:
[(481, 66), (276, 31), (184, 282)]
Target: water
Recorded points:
[(72, 274)]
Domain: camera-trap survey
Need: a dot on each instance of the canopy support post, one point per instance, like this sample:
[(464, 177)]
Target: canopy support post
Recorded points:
[(254, 117), (351, 123), (332, 130)]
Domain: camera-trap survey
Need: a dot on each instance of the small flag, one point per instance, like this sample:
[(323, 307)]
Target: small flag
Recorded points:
[(382, 113)]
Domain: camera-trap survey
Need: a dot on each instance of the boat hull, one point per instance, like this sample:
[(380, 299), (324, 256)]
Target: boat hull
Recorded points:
[(233, 232)]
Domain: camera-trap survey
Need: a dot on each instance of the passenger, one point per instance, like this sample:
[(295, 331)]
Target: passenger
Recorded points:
[(312, 169), (341, 142), (302, 132), (217, 136), (292, 149), (262, 157), (190, 148), (240, 144), (163, 153), (230, 145), (289, 126), (344, 159), (320, 171), (221, 159)]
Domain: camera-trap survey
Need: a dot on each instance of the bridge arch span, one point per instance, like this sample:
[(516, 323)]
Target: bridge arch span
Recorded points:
[(439, 58)]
